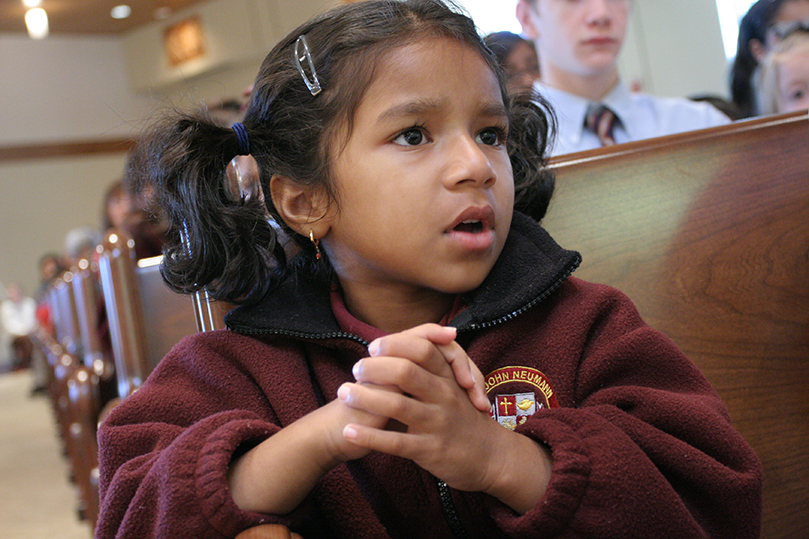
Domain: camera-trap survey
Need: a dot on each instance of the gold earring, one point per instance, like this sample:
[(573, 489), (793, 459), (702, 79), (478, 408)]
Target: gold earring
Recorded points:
[(315, 242)]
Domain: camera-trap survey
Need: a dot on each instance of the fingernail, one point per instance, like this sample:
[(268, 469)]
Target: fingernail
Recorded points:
[(356, 370), (350, 432), (373, 348), (343, 392)]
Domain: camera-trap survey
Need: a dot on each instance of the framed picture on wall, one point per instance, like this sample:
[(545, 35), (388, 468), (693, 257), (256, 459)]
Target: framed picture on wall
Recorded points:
[(184, 41)]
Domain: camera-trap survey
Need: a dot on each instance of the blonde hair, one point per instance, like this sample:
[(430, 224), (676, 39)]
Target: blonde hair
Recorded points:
[(766, 76)]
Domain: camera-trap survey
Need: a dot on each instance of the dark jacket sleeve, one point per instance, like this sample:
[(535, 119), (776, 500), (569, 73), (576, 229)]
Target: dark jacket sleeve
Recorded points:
[(165, 450), (642, 444)]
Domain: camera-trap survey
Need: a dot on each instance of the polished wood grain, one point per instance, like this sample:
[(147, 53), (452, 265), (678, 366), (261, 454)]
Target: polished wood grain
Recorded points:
[(146, 318), (708, 233), (64, 149), (74, 389), (119, 284), (167, 315), (268, 531)]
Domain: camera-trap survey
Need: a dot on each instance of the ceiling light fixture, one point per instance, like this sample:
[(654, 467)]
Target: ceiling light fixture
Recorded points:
[(121, 12), (31, 3), (36, 20)]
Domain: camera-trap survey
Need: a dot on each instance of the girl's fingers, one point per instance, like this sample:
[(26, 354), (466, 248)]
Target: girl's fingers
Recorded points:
[(466, 374), (389, 442), (418, 346), (396, 406), (268, 531), (433, 347), (399, 373)]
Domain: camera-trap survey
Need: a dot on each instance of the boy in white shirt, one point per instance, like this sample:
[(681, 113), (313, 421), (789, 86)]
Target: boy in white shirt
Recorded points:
[(578, 43)]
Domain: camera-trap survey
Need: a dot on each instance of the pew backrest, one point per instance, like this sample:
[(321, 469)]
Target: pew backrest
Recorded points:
[(146, 317), (708, 233)]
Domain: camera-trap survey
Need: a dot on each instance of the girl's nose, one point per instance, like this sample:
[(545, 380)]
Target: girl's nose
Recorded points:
[(468, 164)]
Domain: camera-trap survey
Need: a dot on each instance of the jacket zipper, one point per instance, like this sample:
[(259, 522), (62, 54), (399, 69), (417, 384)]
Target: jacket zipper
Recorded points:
[(300, 334), (540, 298), (444, 494)]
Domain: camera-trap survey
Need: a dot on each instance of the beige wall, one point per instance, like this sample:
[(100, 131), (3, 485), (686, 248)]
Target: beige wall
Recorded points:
[(67, 90), (41, 201), (57, 91), (675, 48)]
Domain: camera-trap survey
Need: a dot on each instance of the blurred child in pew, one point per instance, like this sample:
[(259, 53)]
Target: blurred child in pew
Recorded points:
[(782, 79)]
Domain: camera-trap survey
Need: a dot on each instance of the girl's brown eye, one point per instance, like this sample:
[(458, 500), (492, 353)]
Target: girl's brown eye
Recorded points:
[(410, 137), (490, 137)]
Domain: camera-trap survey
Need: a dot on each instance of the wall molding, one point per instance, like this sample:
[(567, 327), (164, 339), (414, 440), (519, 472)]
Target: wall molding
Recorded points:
[(32, 152)]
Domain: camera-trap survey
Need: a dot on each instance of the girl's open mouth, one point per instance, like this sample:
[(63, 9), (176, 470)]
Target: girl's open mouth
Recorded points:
[(472, 226)]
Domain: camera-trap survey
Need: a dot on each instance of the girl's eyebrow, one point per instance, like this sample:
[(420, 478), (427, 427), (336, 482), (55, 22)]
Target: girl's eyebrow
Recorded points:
[(426, 106), (410, 108)]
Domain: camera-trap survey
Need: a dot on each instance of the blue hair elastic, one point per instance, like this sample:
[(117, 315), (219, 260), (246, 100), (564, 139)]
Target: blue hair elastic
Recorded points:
[(241, 138)]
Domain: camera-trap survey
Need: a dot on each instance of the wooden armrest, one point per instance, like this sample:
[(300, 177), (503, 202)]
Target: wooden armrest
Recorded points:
[(268, 531)]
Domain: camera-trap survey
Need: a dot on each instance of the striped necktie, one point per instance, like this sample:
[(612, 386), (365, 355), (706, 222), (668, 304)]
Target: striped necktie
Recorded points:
[(601, 121)]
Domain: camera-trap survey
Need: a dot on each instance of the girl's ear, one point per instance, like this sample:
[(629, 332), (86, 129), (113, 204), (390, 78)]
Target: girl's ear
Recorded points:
[(303, 208)]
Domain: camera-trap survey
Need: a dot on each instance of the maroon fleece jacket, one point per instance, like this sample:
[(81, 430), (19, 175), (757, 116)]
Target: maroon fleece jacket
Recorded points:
[(642, 445)]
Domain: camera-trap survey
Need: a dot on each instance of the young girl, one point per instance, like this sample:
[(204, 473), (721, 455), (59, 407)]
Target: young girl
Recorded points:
[(782, 80), (342, 401)]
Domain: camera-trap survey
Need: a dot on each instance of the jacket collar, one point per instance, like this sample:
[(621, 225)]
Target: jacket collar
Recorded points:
[(529, 269)]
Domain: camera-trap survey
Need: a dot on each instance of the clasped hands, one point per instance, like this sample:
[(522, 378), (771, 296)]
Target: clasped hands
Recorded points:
[(417, 396), (423, 381)]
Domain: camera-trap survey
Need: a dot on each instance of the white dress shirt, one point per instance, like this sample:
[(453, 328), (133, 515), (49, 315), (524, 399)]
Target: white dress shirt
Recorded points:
[(18, 319), (641, 116)]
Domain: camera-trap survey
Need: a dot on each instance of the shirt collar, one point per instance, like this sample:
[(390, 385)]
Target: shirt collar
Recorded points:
[(571, 109), (619, 100)]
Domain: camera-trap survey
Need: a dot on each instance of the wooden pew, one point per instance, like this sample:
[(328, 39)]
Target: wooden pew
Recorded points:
[(64, 361), (86, 292), (708, 233), (74, 390), (146, 318)]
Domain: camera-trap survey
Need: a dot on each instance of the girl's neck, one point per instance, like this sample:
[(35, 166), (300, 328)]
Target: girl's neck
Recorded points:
[(394, 310)]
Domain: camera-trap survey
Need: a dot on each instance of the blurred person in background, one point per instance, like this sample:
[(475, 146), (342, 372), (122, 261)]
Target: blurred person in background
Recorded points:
[(766, 23), (518, 58), (579, 44), (782, 78), (18, 317)]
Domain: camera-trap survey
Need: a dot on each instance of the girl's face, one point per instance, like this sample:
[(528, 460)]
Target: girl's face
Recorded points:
[(424, 183), (793, 80)]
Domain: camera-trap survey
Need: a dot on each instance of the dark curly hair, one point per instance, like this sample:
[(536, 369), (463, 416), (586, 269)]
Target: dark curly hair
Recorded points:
[(228, 245)]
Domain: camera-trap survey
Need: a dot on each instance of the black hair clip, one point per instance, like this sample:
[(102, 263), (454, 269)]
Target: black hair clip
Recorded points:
[(313, 84)]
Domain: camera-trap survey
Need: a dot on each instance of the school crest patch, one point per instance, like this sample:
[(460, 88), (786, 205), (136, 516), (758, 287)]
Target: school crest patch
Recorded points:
[(516, 393)]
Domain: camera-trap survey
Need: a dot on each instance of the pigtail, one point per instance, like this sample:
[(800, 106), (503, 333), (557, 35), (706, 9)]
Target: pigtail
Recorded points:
[(217, 241), (531, 132)]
